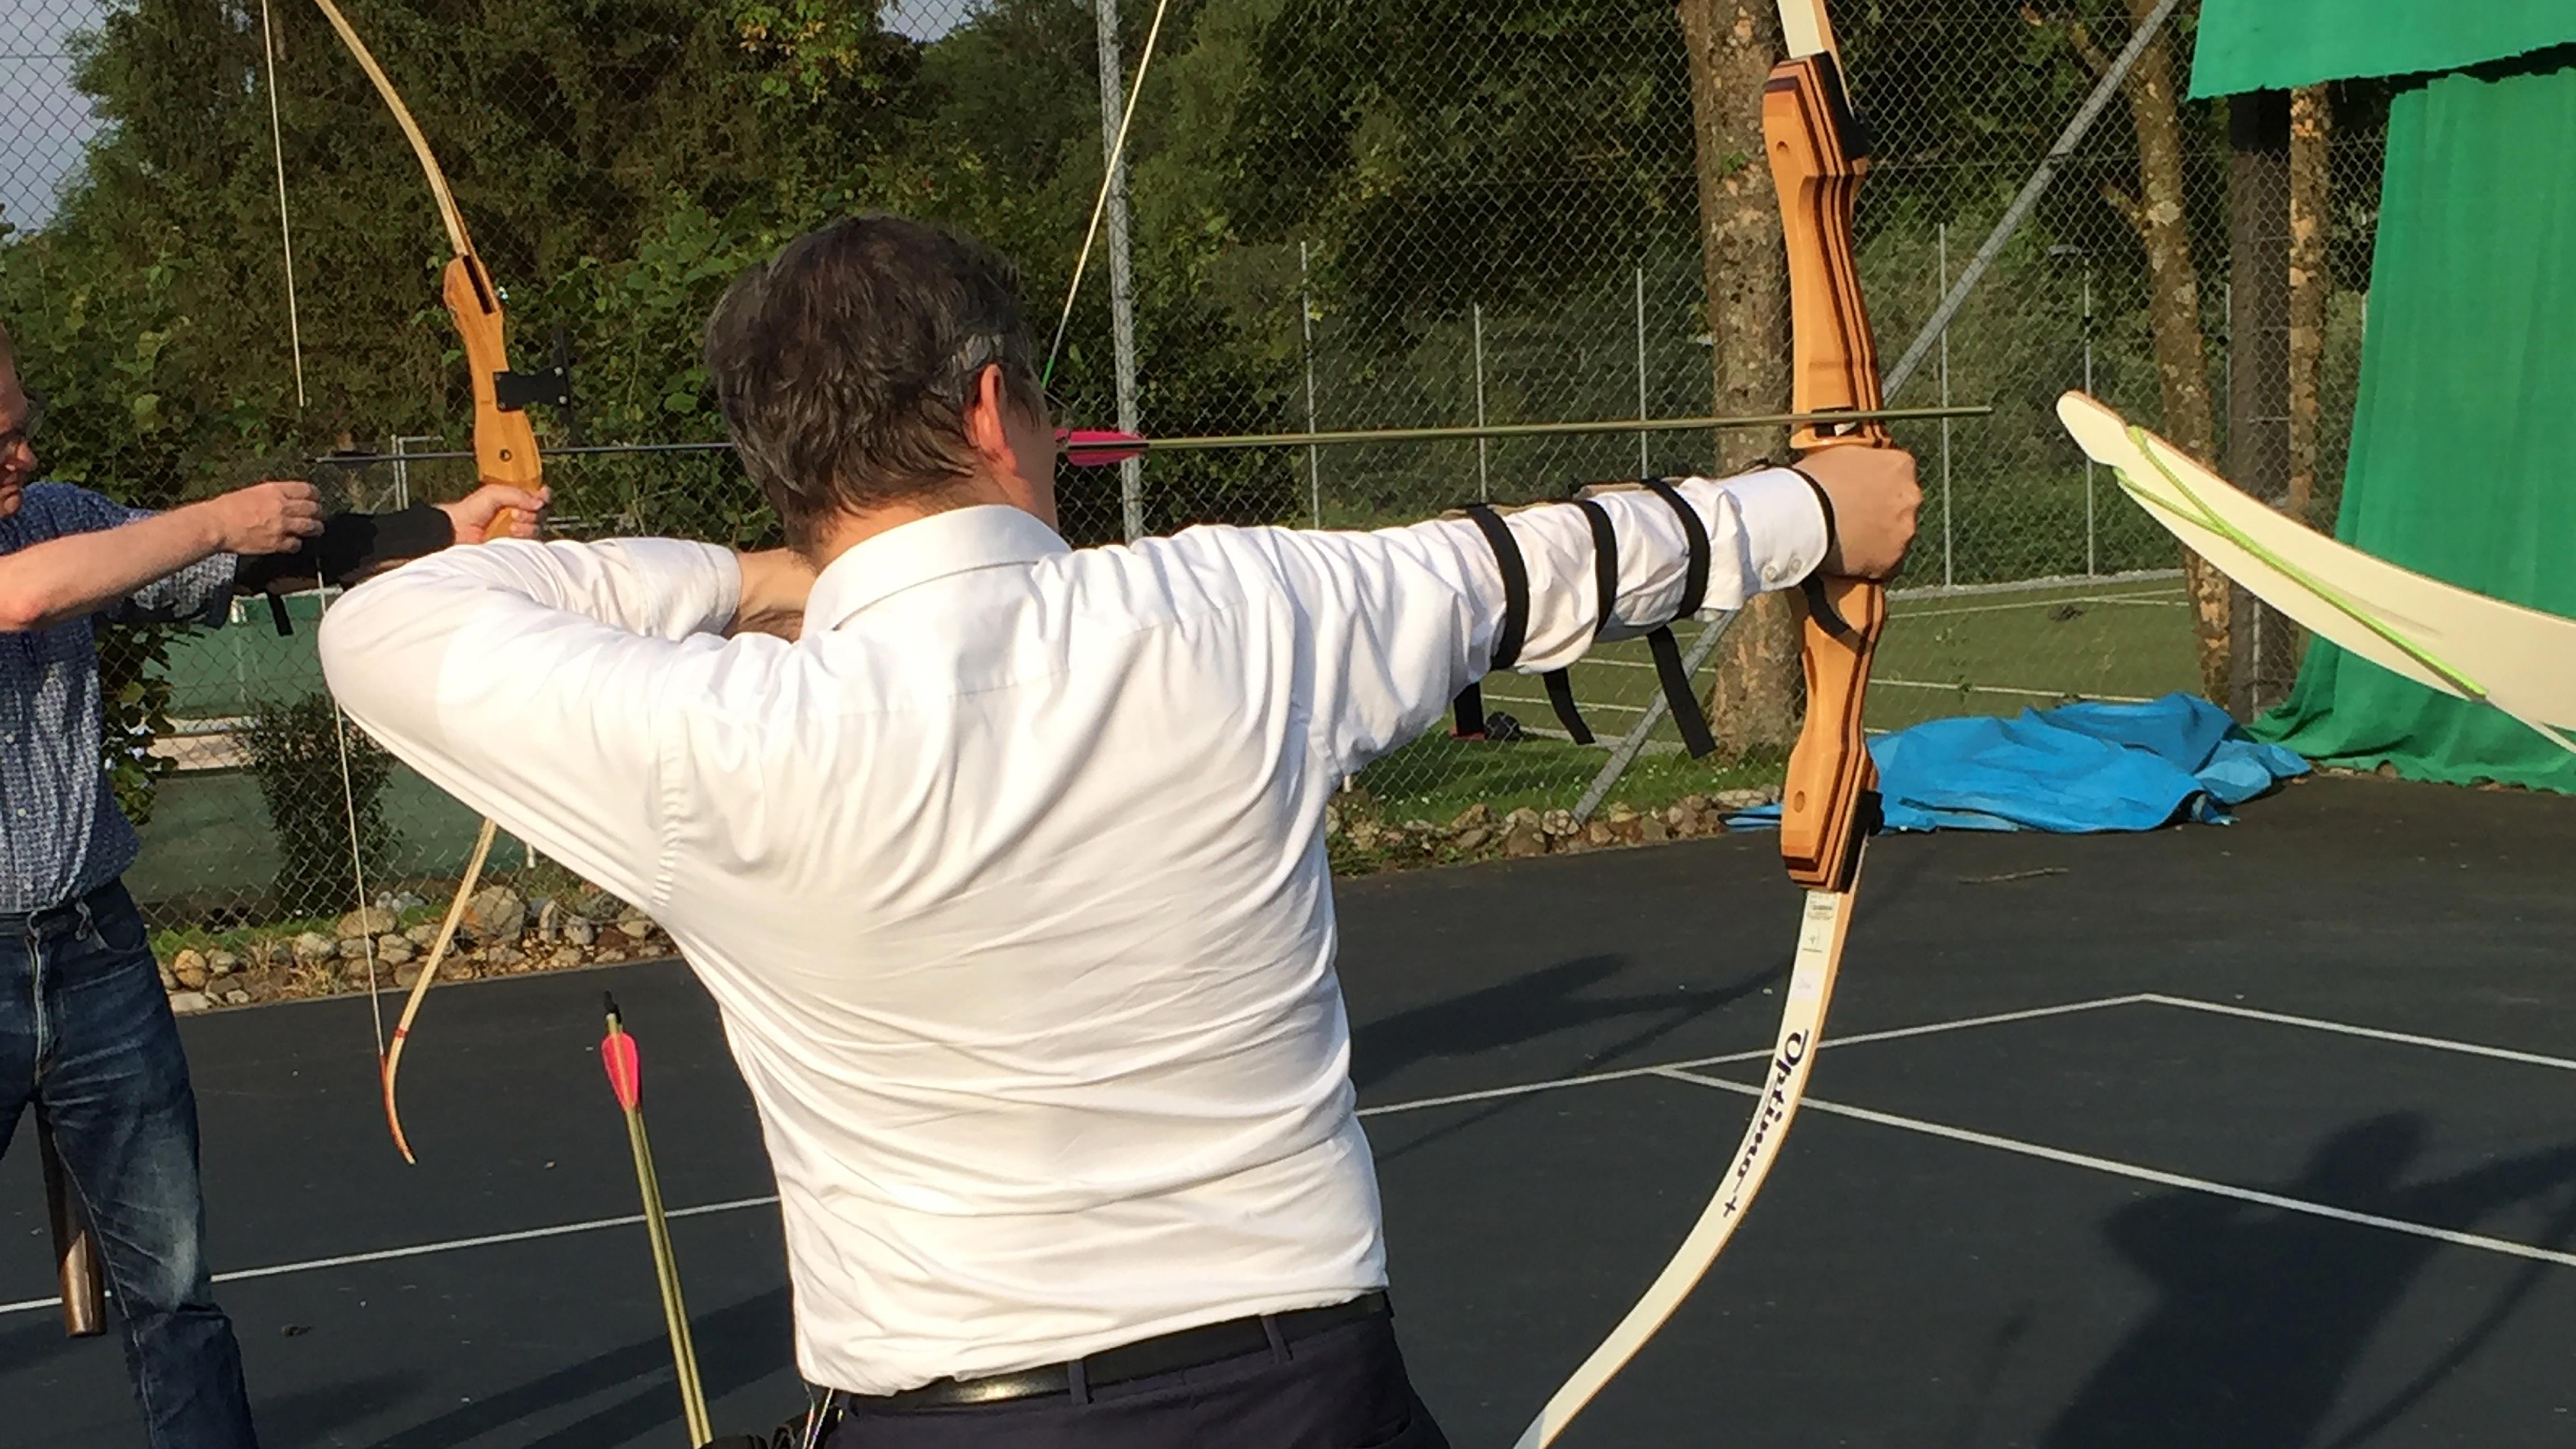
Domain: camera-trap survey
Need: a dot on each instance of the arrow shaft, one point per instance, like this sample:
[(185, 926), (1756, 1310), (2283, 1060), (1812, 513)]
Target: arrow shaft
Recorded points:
[(666, 1274)]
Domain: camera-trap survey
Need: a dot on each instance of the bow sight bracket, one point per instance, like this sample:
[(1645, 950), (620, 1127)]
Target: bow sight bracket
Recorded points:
[(516, 391)]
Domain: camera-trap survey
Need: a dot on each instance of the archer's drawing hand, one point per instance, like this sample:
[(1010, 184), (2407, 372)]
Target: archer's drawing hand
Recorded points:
[(774, 586), (474, 513), (1875, 499), (270, 517)]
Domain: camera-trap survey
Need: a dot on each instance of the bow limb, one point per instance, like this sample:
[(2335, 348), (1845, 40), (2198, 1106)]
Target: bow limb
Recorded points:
[(389, 1069), (1829, 802), (505, 451)]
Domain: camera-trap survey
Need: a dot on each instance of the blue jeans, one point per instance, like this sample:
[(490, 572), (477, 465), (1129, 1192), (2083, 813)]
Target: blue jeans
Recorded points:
[(87, 1039)]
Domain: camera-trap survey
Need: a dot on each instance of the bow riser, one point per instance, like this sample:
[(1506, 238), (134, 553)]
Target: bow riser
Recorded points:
[(1824, 802), (505, 443), (1807, 126), (1834, 359)]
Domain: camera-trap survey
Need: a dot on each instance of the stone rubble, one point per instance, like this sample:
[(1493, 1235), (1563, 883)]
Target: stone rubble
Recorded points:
[(504, 932)]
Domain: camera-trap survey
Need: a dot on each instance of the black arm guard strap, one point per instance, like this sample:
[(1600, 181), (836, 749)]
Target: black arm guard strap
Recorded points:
[(349, 547), (1468, 710), (1605, 590), (1678, 695)]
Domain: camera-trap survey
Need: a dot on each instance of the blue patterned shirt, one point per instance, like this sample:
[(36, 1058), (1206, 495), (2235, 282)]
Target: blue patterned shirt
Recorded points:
[(61, 834)]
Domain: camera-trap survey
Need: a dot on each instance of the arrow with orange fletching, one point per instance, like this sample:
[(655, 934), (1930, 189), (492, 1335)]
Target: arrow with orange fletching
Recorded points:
[(625, 1067)]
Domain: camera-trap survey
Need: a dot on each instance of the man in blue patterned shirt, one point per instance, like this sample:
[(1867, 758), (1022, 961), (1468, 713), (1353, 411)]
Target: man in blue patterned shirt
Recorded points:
[(86, 1035)]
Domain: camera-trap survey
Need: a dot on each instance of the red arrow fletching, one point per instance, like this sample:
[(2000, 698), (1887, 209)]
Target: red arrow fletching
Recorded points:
[(1099, 447), (625, 1068)]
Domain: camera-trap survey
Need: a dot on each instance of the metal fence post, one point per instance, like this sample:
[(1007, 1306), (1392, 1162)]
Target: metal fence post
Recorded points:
[(1306, 330), (1949, 574), (1476, 315), (1642, 414), (2092, 556), (1122, 275)]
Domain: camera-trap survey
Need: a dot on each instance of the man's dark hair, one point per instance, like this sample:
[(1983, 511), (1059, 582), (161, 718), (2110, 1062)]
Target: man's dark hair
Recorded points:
[(846, 363)]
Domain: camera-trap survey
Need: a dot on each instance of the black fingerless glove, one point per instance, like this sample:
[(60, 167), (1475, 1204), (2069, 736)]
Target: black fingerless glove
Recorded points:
[(350, 547)]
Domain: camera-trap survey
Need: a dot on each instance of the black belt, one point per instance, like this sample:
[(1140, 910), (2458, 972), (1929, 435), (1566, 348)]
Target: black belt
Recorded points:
[(73, 916), (1167, 1353)]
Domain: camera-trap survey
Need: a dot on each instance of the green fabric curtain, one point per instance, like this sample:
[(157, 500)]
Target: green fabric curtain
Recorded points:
[(2254, 45), (2460, 464)]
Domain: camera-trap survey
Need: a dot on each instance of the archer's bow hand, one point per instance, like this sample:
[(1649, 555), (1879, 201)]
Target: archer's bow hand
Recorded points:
[(1870, 500), (515, 509)]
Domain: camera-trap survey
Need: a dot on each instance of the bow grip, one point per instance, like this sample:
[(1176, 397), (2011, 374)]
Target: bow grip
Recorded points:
[(1830, 801)]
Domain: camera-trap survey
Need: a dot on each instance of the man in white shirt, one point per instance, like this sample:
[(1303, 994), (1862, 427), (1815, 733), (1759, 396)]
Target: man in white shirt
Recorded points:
[(1009, 875)]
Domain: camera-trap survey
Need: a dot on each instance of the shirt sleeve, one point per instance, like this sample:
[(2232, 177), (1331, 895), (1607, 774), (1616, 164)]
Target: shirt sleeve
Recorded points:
[(533, 682), (199, 594), (1396, 622)]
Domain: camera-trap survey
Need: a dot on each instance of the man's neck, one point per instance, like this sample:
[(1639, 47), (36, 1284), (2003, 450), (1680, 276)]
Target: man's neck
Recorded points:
[(850, 528)]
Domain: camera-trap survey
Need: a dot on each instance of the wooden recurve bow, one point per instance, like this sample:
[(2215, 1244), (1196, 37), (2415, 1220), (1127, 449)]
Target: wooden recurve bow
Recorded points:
[(505, 451), (1829, 803)]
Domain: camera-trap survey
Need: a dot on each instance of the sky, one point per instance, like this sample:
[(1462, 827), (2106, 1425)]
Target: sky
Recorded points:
[(43, 121)]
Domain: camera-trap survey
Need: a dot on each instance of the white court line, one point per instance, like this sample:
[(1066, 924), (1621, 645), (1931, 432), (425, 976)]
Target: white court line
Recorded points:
[(417, 1250), (2154, 600), (1622, 1074), (2148, 1174), (1680, 1070), (29, 1305), (2025, 586), (2007, 689), (2406, 1038)]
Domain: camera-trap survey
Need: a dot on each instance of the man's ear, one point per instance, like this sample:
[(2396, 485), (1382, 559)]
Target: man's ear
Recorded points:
[(986, 413)]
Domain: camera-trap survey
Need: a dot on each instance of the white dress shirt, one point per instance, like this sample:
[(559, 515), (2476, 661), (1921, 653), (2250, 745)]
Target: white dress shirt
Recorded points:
[(1009, 877)]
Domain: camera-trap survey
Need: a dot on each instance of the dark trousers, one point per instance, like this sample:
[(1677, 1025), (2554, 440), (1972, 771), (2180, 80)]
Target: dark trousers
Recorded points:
[(1344, 1388), (87, 1039)]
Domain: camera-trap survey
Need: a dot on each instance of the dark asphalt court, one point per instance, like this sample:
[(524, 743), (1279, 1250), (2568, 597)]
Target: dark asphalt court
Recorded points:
[(2220, 1206)]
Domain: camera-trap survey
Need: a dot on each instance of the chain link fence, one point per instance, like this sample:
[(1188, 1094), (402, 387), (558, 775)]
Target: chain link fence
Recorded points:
[(219, 264)]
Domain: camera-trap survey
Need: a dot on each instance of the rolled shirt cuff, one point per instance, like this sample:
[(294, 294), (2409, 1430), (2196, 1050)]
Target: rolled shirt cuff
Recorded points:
[(1784, 525)]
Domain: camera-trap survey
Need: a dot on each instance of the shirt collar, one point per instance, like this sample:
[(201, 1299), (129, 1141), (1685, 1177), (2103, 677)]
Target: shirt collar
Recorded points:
[(987, 535)]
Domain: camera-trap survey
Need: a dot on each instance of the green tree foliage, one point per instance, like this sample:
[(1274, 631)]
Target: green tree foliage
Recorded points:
[(620, 161), (1459, 151)]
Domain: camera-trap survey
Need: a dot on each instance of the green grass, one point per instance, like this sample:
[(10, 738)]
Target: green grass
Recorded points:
[(1999, 653), (1436, 777)]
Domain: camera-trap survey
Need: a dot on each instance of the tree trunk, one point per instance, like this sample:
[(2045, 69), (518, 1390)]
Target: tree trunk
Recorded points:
[(2310, 194), (1754, 706), (2173, 313), (2263, 657)]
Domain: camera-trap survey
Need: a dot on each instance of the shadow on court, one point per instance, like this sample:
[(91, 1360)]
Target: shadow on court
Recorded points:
[(2262, 1314)]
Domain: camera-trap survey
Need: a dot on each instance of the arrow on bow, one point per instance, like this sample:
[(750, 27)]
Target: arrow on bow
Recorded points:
[(505, 451), (1829, 804)]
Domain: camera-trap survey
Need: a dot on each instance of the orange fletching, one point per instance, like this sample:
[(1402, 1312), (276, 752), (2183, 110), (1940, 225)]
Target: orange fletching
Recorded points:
[(625, 1069)]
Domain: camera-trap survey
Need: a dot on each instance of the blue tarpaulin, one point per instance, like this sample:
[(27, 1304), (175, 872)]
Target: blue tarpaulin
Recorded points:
[(2077, 768)]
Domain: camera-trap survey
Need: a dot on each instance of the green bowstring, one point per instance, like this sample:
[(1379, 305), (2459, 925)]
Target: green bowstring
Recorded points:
[(2343, 603)]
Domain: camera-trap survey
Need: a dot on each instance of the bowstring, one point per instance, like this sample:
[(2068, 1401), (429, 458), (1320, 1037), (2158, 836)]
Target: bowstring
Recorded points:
[(285, 228), (295, 348), (1108, 183), (358, 871)]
